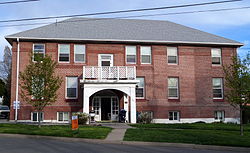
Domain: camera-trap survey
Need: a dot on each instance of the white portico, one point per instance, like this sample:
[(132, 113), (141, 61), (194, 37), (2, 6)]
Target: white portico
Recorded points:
[(106, 77)]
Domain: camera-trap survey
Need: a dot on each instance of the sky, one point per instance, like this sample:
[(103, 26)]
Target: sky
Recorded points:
[(233, 24)]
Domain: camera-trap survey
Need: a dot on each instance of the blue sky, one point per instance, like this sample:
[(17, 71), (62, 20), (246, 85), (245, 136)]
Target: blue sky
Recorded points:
[(230, 24)]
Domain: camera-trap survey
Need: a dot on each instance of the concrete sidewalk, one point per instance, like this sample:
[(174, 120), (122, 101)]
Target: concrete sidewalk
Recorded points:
[(134, 143), (118, 131)]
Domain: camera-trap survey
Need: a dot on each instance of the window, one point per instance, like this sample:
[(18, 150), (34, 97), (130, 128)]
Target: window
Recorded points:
[(34, 116), (172, 54), (219, 115), (131, 54), (140, 88), (79, 53), (71, 87), (38, 51), (145, 55), (62, 116), (217, 88), (216, 56), (173, 88), (64, 51), (174, 115)]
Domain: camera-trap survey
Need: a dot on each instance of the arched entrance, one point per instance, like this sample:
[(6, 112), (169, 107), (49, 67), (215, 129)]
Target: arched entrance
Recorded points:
[(106, 104)]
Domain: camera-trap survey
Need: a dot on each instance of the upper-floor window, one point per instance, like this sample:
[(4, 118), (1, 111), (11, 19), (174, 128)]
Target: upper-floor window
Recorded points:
[(216, 56), (174, 115), (130, 54), (145, 55), (172, 54), (79, 53), (38, 51), (64, 53), (140, 88), (173, 88), (217, 88), (71, 87)]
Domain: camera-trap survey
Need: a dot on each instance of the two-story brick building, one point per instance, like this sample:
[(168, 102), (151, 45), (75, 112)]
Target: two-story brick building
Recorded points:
[(170, 70)]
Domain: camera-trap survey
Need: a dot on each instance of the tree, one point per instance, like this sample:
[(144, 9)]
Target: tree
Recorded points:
[(237, 82), (2, 88), (39, 84)]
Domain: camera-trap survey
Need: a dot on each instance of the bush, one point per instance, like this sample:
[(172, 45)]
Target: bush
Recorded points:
[(82, 118), (144, 117)]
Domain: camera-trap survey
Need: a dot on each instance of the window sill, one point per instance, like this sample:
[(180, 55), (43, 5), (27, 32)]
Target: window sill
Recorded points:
[(141, 100), (173, 100), (218, 100), (71, 100)]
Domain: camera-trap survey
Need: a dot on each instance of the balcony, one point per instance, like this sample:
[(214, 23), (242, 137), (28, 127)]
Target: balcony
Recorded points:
[(109, 74)]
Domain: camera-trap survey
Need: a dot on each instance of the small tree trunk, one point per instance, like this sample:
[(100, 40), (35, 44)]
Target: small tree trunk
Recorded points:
[(39, 119), (241, 121)]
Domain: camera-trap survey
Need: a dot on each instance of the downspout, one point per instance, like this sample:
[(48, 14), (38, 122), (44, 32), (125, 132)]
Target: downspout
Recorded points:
[(17, 76)]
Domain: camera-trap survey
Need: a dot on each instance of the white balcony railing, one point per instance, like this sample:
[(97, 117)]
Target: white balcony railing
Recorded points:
[(109, 73)]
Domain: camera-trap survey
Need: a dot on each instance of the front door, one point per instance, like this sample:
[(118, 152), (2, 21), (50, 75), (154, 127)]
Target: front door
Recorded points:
[(106, 109), (97, 108)]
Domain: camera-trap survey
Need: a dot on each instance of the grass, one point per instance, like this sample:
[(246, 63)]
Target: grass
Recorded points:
[(206, 134), (91, 132)]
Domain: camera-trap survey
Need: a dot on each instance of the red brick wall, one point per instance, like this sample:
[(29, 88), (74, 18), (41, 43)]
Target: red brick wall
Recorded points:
[(194, 70)]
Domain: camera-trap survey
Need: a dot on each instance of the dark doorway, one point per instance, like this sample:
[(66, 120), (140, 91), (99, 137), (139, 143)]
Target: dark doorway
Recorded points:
[(106, 108)]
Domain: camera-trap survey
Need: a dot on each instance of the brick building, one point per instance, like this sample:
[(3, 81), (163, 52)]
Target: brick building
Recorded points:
[(169, 70)]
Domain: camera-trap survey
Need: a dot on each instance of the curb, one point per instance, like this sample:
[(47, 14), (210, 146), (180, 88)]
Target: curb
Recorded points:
[(161, 144)]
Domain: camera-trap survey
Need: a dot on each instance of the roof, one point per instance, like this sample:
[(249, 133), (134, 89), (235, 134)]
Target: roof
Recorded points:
[(122, 30)]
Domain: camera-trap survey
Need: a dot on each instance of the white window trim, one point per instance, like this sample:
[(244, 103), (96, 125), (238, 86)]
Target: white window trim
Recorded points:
[(222, 89), (135, 55), (143, 89), (63, 117), (216, 56), (75, 54), (59, 53), (178, 96), (150, 55), (66, 88), (177, 59), (37, 116), (44, 52), (223, 112), (178, 116), (100, 59)]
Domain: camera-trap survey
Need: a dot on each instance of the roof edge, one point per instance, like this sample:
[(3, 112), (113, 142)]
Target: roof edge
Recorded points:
[(121, 40)]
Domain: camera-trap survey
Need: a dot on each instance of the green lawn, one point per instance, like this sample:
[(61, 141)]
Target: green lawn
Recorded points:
[(91, 132), (206, 134)]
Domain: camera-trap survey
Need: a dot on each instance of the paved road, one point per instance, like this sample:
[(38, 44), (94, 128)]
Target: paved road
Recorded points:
[(43, 145)]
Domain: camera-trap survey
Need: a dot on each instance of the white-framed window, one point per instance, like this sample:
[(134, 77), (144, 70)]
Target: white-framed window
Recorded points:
[(172, 53), (62, 116), (216, 56), (174, 115), (63, 53), (140, 88), (38, 51), (79, 53), (34, 116), (217, 88), (145, 54), (131, 54), (71, 87), (219, 115), (173, 88)]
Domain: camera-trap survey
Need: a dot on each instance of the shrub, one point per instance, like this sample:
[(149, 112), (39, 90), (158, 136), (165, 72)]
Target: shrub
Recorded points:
[(82, 118), (144, 117)]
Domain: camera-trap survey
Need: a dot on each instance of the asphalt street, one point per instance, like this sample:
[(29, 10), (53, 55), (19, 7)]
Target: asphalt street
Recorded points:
[(43, 145)]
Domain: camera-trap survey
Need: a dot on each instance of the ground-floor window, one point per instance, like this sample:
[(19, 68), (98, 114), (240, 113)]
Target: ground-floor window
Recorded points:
[(62, 116), (174, 115), (219, 115), (34, 116)]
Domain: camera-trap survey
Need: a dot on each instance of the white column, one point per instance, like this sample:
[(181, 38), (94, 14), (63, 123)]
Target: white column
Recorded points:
[(132, 105), (125, 97), (85, 101)]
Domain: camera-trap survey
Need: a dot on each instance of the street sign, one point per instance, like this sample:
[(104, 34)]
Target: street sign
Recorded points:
[(74, 122), (16, 105)]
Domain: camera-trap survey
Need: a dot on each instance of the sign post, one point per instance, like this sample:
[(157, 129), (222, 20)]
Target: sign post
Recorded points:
[(74, 122)]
